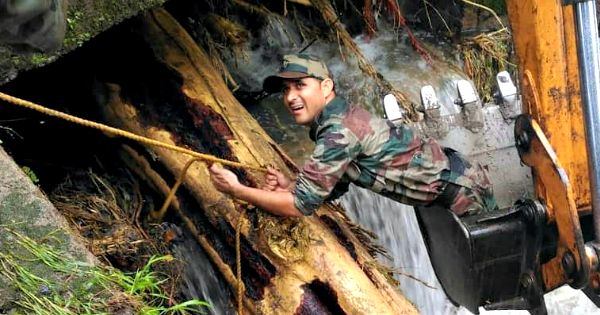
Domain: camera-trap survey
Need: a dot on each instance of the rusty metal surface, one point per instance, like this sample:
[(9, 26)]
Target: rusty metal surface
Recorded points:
[(544, 39), (570, 264)]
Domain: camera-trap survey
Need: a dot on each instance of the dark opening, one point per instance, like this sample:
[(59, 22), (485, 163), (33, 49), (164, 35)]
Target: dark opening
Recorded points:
[(319, 299)]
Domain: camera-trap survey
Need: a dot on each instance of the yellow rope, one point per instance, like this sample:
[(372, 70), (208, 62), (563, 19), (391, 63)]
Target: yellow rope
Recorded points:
[(123, 133), (238, 263), (161, 213), (197, 157)]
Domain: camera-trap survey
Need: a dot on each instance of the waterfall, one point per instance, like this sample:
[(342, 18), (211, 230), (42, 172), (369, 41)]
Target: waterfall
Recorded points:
[(200, 280), (398, 231), (396, 227)]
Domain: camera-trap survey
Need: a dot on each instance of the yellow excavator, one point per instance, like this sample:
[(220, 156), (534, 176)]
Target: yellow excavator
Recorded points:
[(508, 259)]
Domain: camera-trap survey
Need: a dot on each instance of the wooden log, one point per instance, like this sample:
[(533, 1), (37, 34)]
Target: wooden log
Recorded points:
[(289, 265)]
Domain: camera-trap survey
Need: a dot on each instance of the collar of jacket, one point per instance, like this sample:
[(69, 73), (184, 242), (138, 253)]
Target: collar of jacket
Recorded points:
[(335, 107)]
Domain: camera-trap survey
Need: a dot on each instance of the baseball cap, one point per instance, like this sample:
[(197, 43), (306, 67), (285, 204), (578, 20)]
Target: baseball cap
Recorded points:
[(295, 67)]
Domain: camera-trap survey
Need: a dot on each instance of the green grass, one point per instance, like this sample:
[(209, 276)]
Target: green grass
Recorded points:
[(29, 172), (42, 296)]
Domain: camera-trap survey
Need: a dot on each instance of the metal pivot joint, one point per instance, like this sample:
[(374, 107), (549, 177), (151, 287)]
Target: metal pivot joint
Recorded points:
[(570, 258)]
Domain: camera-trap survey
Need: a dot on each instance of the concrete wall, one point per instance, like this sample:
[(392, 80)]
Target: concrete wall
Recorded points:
[(25, 210)]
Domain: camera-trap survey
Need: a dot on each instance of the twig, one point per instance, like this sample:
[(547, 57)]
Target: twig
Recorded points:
[(308, 45), (253, 8), (12, 120), (299, 26), (392, 5), (425, 3), (438, 13), (172, 301), (369, 19), (415, 278), (11, 131), (136, 215), (136, 218), (487, 9)]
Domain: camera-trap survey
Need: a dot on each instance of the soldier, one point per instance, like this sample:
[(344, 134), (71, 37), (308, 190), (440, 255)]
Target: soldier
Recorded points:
[(353, 145)]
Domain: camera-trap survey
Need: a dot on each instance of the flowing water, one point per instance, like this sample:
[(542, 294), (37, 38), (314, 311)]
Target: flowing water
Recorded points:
[(398, 231), (201, 281), (394, 223)]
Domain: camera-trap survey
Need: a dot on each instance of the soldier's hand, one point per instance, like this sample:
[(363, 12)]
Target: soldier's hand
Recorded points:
[(224, 180), (275, 180)]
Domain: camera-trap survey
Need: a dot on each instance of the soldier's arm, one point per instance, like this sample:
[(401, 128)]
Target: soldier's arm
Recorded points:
[(333, 153), (275, 180), (336, 147), (276, 202)]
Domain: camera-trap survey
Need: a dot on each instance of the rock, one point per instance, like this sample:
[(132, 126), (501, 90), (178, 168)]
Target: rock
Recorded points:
[(25, 210), (34, 33), (35, 25)]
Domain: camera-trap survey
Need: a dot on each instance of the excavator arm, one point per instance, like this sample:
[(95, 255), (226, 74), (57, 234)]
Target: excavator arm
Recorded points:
[(508, 259)]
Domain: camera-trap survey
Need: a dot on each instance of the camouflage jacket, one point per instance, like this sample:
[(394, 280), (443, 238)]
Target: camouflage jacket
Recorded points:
[(353, 145)]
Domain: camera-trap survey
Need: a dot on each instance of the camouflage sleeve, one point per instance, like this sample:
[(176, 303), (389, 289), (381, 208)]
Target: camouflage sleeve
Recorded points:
[(335, 148)]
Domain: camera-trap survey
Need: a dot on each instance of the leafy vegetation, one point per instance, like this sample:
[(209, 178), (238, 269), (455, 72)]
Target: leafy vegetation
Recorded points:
[(30, 174), (96, 295)]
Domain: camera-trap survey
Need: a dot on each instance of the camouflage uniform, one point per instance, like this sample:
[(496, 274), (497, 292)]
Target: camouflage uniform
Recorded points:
[(353, 145)]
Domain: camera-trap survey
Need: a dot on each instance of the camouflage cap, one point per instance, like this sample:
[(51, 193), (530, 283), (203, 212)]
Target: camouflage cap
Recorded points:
[(295, 67)]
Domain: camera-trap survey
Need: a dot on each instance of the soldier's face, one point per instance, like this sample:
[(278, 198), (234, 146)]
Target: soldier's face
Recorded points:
[(304, 98)]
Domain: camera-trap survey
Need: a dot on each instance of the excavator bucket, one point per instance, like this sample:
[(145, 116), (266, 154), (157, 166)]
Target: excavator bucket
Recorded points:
[(491, 259)]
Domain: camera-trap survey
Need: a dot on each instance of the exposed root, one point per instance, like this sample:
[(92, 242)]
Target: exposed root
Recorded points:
[(253, 8), (369, 19), (363, 235), (393, 6), (487, 9), (215, 51), (412, 277), (426, 6), (370, 264), (233, 33), (390, 272), (299, 26)]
